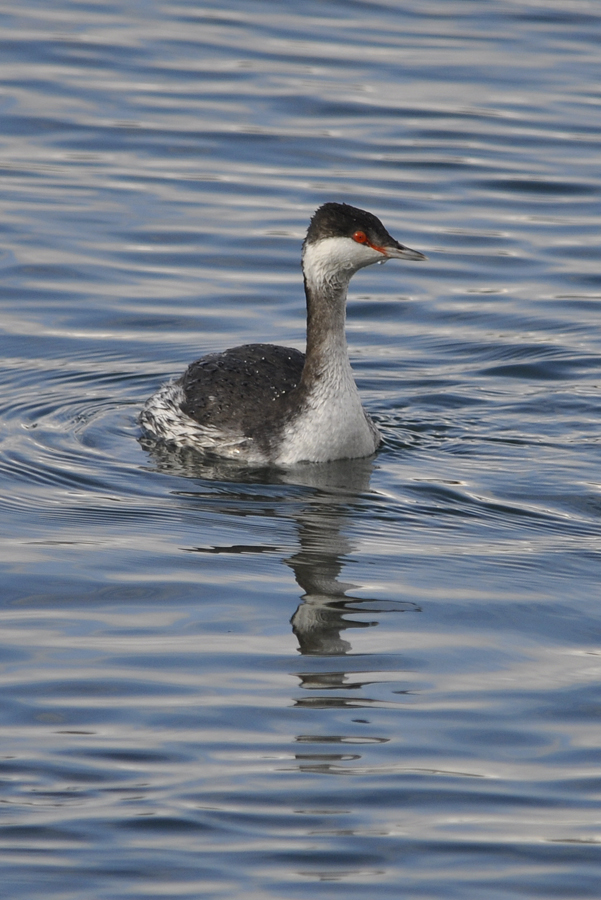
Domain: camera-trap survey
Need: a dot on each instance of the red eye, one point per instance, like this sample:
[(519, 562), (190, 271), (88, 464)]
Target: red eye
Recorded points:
[(360, 237)]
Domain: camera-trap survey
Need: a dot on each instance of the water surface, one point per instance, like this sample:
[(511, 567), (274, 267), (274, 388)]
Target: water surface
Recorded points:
[(372, 678)]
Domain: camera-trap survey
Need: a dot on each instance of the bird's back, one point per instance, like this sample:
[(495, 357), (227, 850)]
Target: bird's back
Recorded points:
[(236, 390)]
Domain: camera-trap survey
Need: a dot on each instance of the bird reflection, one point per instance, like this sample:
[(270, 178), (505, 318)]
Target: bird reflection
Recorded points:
[(326, 606), (326, 499), (323, 546)]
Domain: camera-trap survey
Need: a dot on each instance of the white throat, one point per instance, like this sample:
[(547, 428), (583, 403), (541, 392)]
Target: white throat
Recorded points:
[(334, 260)]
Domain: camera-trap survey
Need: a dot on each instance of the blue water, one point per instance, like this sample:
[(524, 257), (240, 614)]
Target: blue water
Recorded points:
[(378, 678)]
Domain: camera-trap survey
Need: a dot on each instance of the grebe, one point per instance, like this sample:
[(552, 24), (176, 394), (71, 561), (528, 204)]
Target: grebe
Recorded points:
[(262, 404)]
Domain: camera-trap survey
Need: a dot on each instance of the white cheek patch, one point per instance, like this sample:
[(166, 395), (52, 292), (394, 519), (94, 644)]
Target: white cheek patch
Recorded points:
[(331, 257)]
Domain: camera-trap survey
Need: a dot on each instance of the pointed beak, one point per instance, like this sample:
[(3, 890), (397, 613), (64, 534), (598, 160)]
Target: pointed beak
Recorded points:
[(398, 251)]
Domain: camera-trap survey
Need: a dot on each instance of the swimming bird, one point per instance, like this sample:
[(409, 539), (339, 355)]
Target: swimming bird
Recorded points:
[(263, 404)]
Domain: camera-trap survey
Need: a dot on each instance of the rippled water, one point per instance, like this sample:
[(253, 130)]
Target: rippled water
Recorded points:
[(377, 678)]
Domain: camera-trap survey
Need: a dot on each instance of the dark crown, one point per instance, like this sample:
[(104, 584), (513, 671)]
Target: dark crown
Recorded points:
[(342, 220)]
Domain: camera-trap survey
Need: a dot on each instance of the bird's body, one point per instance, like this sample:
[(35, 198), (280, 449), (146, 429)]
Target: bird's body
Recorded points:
[(265, 404)]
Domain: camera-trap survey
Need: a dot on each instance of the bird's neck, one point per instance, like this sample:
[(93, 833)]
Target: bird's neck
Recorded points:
[(326, 287), (326, 320)]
